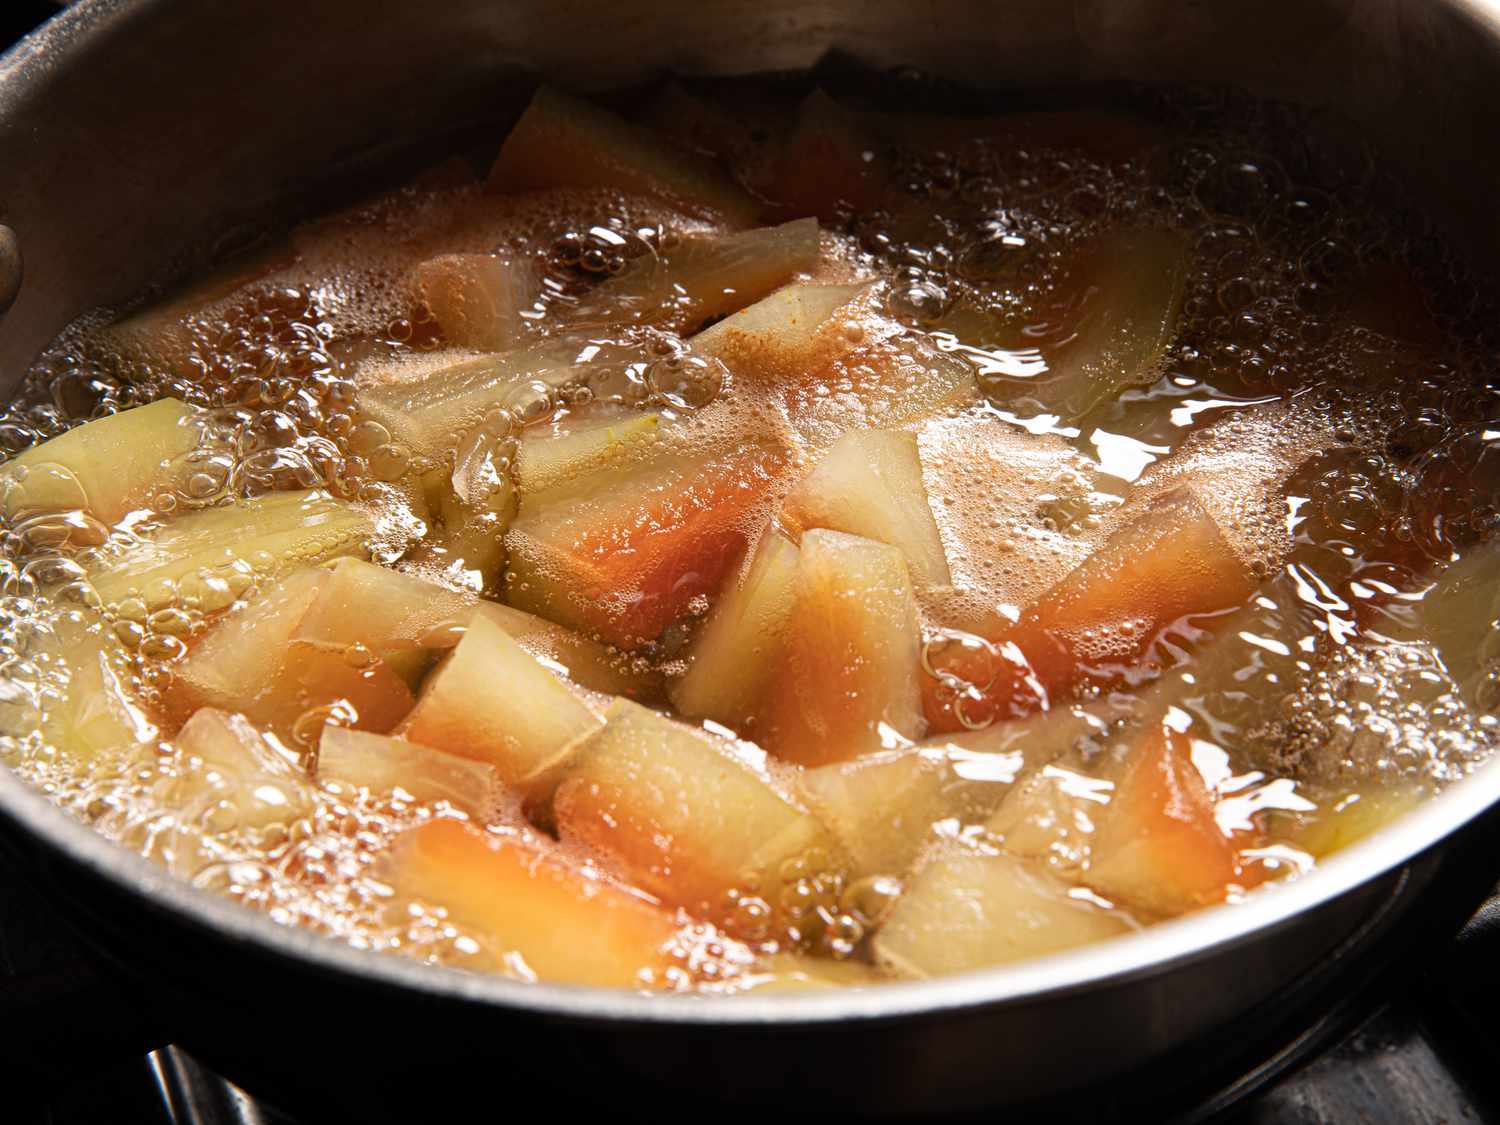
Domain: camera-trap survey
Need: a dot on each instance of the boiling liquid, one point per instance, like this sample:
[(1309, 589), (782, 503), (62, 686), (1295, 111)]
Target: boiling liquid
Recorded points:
[(1373, 423)]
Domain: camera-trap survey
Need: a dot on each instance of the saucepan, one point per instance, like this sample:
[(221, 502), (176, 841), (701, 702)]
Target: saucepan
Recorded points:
[(139, 138)]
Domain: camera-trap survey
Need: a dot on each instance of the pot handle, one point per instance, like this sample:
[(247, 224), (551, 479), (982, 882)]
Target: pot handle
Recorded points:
[(65, 1012)]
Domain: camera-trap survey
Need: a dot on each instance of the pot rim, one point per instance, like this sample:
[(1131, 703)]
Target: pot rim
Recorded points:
[(1151, 951)]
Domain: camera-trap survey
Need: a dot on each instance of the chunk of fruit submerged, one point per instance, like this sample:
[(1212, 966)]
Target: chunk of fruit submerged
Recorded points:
[(492, 701), (884, 807), (566, 924), (1158, 846), (1458, 614), (1169, 563), (847, 678), (478, 299), (1109, 325), (965, 910), (782, 339), (1351, 816), (105, 467), (550, 456), (380, 764), (734, 657), (684, 818), (701, 278), (382, 609), (1052, 817), (212, 555), (622, 554), (251, 662), (431, 409), (829, 370), (563, 141), (869, 483), (584, 661), (96, 712), (254, 783), (474, 506)]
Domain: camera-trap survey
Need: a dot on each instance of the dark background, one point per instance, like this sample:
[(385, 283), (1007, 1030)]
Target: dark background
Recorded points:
[(17, 17)]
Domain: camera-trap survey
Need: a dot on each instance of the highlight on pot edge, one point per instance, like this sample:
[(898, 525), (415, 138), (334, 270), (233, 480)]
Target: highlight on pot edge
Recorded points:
[(750, 539)]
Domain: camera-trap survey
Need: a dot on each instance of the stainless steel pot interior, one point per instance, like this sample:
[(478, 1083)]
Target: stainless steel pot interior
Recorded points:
[(134, 130)]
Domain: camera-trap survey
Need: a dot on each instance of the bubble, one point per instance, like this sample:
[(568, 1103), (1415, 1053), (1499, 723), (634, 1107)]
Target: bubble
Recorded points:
[(688, 382), (983, 237), (919, 302), (368, 436), (1455, 496), (1329, 260), (1242, 185), (870, 899), (389, 462)]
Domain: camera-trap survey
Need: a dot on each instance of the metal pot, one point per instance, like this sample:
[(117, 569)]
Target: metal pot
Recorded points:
[(141, 136)]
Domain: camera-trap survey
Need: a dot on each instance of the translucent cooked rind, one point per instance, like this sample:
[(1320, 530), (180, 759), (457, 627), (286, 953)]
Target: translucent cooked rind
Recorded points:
[(251, 662), (1104, 617), (585, 661), (892, 382), (474, 506), (621, 554), (478, 299), (1140, 274), (884, 807), (241, 772), (547, 458), (732, 660), (681, 816), (793, 343), (566, 924), (1052, 815), (1033, 741), (239, 658), (1123, 297), (432, 413), (106, 467), (778, 340), (381, 764), (563, 141), (703, 277), (848, 677), (869, 483), (468, 551), (1348, 818), (384, 610), (96, 712), (1159, 847), (1171, 562), (492, 701), (1458, 615), (265, 537), (966, 910)]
